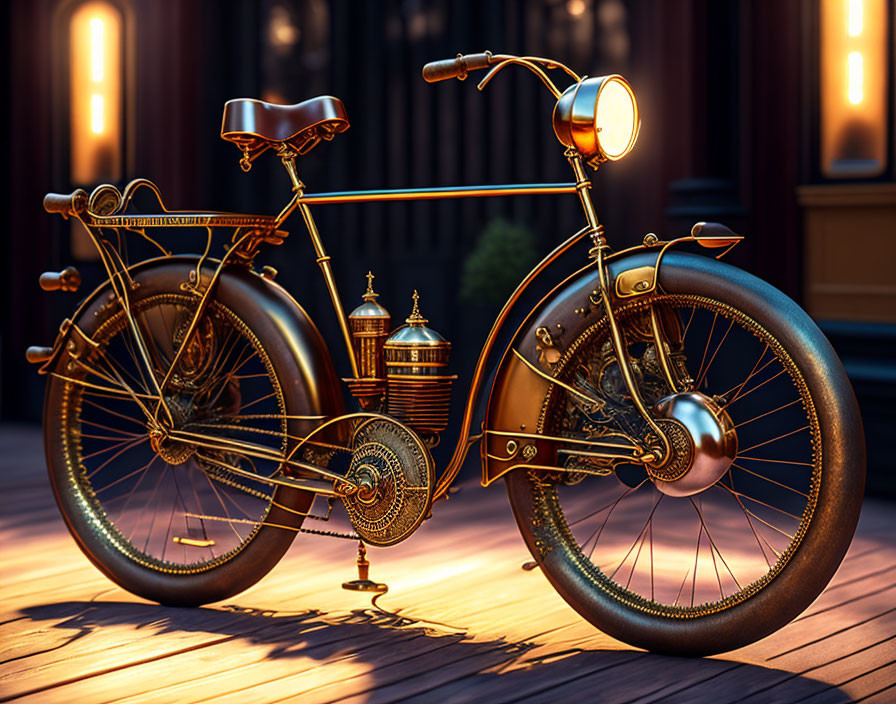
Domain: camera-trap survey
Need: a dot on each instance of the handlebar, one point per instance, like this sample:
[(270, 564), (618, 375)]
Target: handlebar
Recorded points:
[(73, 203), (458, 67)]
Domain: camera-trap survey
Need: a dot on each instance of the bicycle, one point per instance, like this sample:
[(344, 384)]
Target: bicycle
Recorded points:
[(681, 448)]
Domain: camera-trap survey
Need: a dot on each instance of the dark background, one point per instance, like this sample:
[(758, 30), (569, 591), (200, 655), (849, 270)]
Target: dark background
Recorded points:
[(727, 91)]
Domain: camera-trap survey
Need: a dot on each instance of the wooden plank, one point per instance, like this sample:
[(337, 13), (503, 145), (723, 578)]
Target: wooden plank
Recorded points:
[(272, 652), (308, 638)]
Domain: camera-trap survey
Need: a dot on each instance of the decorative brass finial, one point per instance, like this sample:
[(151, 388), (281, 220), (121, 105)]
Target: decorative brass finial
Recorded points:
[(369, 294), (415, 318)]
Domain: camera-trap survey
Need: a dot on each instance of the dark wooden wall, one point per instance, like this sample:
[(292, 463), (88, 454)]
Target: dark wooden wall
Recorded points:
[(705, 73)]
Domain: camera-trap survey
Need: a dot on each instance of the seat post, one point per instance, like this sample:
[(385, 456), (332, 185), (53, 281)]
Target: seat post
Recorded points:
[(288, 157)]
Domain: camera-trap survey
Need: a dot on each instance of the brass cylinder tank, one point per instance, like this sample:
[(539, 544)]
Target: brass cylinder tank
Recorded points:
[(369, 324), (419, 391)]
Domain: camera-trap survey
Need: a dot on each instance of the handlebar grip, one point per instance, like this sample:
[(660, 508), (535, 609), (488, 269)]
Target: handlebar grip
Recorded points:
[(457, 67), (69, 279), (66, 204)]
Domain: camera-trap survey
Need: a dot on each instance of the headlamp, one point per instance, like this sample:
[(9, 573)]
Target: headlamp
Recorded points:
[(598, 117)]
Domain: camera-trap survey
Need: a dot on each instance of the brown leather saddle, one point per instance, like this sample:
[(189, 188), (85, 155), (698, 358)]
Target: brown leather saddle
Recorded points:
[(254, 125)]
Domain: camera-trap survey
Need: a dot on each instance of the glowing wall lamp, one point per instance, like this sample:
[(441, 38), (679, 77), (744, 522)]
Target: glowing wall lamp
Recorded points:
[(95, 93), (854, 97)]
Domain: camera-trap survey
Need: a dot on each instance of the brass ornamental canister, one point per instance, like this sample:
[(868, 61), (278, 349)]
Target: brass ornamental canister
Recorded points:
[(419, 391), (369, 324), (370, 327)]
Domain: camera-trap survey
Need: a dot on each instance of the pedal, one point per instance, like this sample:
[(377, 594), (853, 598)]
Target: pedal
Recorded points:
[(363, 582)]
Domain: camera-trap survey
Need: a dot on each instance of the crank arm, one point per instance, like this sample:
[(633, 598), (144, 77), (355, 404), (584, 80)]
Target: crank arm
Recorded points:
[(344, 486)]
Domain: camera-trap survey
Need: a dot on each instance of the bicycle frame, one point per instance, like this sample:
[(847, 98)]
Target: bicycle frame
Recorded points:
[(106, 208)]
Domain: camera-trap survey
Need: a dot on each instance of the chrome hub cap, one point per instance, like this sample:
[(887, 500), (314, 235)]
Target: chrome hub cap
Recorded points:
[(703, 444)]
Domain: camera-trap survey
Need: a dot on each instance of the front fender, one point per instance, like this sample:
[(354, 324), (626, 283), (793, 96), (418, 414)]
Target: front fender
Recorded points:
[(517, 395)]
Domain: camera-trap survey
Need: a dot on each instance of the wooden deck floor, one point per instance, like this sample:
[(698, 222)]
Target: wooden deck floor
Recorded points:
[(69, 635)]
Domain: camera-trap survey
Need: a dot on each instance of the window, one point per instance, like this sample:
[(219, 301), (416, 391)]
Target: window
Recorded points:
[(853, 87), (95, 93)]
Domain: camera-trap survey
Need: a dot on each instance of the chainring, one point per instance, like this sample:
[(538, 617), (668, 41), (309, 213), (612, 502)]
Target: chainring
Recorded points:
[(398, 473)]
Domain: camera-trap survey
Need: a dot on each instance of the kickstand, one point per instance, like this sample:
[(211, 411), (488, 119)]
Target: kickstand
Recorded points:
[(363, 583)]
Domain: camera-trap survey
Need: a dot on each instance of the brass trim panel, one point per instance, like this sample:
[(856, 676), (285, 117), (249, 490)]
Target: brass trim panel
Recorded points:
[(184, 218)]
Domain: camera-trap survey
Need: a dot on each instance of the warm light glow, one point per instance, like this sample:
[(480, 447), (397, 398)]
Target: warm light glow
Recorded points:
[(853, 87), (615, 119), (854, 17), (575, 7), (96, 113), (854, 81), (96, 49), (95, 93)]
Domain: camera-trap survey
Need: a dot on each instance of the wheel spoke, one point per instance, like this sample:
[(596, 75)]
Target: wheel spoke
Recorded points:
[(768, 479), (712, 544), (767, 413), (714, 355), (705, 350), (779, 437)]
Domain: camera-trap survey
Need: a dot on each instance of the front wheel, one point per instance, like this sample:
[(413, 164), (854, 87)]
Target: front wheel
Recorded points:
[(713, 568)]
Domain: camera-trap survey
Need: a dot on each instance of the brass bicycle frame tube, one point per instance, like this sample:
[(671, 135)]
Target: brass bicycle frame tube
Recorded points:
[(583, 185), (200, 309), (213, 442), (523, 189), (463, 445), (622, 355), (288, 159), (314, 485), (661, 350), (632, 454), (304, 200), (123, 298), (323, 261)]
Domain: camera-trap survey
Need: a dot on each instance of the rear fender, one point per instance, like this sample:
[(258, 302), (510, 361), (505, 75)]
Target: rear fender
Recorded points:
[(297, 330)]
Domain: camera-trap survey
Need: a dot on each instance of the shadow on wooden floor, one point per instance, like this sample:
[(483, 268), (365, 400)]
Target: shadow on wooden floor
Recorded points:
[(364, 635)]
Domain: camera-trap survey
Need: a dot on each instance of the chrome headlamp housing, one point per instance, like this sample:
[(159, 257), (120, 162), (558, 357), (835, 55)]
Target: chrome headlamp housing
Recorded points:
[(598, 117)]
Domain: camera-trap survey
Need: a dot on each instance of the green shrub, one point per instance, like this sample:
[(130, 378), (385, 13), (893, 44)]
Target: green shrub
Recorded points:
[(504, 254)]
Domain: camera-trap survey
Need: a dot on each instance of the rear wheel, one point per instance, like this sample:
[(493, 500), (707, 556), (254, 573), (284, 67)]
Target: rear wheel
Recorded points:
[(726, 564), (166, 519)]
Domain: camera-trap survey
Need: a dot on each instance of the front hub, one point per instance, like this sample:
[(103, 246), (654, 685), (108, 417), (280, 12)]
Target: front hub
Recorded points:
[(703, 443)]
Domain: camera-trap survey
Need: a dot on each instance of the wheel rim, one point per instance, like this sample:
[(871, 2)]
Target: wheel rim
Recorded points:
[(168, 505), (687, 556)]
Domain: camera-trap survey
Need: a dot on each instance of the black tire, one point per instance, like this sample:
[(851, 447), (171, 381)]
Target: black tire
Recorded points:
[(833, 494), (190, 580)]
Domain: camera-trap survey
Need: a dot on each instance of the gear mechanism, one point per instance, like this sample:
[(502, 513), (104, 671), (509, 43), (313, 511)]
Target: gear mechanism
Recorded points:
[(395, 473)]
